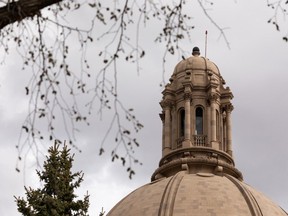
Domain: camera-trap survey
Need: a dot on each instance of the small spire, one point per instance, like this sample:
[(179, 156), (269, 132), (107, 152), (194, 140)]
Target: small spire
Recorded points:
[(196, 51), (206, 33)]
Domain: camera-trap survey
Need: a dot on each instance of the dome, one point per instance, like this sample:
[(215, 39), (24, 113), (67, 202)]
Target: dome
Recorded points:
[(196, 63), (197, 175), (199, 194), (199, 70)]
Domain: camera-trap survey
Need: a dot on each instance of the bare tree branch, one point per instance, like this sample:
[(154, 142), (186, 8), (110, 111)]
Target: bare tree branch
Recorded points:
[(279, 8), (21, 9), (63, 96), (220, 29)]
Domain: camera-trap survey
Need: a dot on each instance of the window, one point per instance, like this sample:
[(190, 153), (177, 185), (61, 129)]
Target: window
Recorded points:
[(182, 122), (199, 121)]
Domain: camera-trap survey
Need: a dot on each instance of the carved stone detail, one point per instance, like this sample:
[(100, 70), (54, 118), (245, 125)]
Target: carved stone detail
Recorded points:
[(167, 104), (213, 97), (188, 96), (194, 158), (208, 102), (228, 108)]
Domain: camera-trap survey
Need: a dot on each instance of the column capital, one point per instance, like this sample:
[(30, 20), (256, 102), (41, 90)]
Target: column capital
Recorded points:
[(213, 97), (188, 96), (228, 108), (167, 104), (214, 82)]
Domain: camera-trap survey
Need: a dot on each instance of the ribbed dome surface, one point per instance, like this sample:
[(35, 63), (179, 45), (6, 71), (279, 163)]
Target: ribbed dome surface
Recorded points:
[(196, 63), (200, 194)]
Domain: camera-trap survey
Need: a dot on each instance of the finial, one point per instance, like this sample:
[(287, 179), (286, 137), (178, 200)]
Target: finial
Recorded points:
[(196, 51), (206, 33)]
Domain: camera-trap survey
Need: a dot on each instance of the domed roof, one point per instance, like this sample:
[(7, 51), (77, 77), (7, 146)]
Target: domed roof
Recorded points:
[(196, 62), (196, 174), (196, 194)]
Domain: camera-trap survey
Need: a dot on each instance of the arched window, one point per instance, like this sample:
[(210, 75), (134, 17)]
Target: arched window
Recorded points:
[(182, 123), (199, 121)]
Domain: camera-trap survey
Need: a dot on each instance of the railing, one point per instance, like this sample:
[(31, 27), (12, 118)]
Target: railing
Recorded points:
[(179, 142), (199, 140)]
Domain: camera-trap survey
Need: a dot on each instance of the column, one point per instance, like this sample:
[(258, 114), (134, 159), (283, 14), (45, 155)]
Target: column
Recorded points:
[(224, 134), (187, 132), (222, 129), (229, 109), (213, 121), (162, 117), (214, 143), (208, 123), (167, 129)]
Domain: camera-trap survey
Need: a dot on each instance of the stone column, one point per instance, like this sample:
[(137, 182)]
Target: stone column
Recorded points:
[(167, 129), (214, 143), (187, 132), (228, 110), (173, 136), (208, 122), (224, 134), (162, 117), (221, 131)]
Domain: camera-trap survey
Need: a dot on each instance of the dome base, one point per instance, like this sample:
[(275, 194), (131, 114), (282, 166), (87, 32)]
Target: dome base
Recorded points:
[(196, 160)]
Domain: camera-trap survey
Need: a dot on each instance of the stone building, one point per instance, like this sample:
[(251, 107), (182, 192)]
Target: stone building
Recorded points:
[(196, 174)]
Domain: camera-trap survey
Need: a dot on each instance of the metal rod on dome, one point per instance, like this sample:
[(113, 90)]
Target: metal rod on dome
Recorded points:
[(206, 33)]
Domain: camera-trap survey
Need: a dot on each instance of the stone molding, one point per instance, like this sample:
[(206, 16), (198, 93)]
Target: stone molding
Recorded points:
[(166, 103), (197, 156), (188, 96), (213, 97), (228, 107), (194, 161)]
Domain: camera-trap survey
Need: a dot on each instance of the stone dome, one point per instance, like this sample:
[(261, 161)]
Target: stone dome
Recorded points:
[(198, 63), (199, 194), (197, 175), (201, 71)]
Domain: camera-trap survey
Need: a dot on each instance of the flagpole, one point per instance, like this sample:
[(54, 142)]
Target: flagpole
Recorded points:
[(206, 33)]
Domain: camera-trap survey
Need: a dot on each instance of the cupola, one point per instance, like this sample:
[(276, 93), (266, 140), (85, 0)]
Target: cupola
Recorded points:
[(196, 119)]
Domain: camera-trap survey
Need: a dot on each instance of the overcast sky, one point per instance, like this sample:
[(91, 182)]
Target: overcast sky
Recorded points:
[(256, 70)]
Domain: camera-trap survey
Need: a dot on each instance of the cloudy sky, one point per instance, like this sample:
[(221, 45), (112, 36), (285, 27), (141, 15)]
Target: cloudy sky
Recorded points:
[(256, 70)]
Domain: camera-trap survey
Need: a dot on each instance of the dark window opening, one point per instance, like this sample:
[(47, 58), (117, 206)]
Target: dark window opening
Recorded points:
[(199, 121)]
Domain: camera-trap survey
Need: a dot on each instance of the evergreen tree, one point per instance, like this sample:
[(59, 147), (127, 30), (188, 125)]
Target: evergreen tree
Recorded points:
[(56, 197)]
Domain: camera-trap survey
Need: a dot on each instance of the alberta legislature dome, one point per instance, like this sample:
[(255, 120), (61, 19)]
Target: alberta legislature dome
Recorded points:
[(196, 174)]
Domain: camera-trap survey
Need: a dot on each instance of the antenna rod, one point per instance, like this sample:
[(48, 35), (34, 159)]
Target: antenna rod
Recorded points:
[(206, 33)]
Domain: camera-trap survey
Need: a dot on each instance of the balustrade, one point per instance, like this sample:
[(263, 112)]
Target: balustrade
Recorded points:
[(200, 140)]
